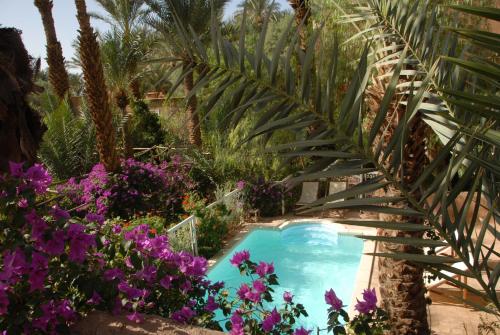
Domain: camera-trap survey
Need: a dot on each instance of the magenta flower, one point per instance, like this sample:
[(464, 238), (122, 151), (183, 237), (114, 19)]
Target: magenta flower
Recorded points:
[(240, 257), (97, 218), (147, 274), (38, 178), (95, 299), (22, 203), (79, 242), (211, 304), (287, 296), (240, 185), (16, 169), (302, 331), (369, 302), (113, 274), (4, 299), (183, 315), (264, 269), (259, 286), (14, 266), (243, 291), (271, 320), (55, 246), (58, 213), (237, 324), (166, 281), (332, 300)]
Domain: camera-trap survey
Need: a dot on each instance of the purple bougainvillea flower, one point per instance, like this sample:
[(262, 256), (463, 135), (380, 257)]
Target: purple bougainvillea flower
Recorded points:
[(22, 203), (240, 257), (113, 274), (38, 178), (166, 281), (240, 185), (55, 246), (96, 299), (148, 274), (16, 169), (237, 324), (369, 302), (97, 218), (183, 315), (14, 266), (332, 300), (211, 304), (287, 296), (264, 269), (259, 286), (79, 242), (243, 291), (58, 213), (271, 320), (302, 331)]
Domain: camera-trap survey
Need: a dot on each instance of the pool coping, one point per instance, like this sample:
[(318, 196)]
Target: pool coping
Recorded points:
[(365, 264)]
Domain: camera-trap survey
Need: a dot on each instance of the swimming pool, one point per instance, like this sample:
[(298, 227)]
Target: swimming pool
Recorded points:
[(309, 258)]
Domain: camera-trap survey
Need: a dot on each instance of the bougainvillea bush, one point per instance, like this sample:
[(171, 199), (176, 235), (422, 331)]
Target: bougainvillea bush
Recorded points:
[(56, 266), (268, 197), (138, 188)]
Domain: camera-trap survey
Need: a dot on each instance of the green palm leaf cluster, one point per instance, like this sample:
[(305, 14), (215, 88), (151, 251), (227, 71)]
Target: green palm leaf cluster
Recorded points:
[(69, 146), (432, 79)]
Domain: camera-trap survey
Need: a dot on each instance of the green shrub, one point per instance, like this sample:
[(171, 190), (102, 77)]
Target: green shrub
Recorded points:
[(146, 130)]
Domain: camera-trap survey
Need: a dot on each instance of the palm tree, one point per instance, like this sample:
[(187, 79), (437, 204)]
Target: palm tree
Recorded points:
[(256, 11), (126, 18), (302, 12), (58, 76), (164, 16), (95, 89), (439, 91)]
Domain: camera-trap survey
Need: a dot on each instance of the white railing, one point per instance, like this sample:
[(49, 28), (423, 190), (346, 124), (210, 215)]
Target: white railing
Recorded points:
[(191, 221)]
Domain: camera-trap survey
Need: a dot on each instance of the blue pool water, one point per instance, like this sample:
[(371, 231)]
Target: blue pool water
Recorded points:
[(309, 259)]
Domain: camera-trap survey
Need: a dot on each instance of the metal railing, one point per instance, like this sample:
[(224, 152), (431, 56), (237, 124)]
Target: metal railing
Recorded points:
[(191, 220)]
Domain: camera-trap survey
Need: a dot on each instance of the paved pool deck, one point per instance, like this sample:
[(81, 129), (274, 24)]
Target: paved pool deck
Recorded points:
[(447, 316)]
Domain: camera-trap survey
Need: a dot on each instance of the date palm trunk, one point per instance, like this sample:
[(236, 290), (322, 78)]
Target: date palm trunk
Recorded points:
[(401, 283), (95, 89), (192, 115), (302, 14), (58, 76)]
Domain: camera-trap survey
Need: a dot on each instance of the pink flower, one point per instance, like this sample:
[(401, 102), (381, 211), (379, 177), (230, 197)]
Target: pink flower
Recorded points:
[(22, 203), (240, 185), (166, 281), (237, 324), (287, 296), (38, 178), (264, 269), (302, 331), (58, 213), (79, 242), (271, 320), (211, 304), (332, 300), (183, 315), (113, 274), (55, 246), (16, 169), (243, 291), (259, 286), (95, 299), (240, 257), (369, 302), (97, 218)]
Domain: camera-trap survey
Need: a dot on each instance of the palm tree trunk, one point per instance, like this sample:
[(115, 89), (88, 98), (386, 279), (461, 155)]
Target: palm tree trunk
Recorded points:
[(58, 76), (122, 102), (96, 90), (192, 114), (302, 14), (401, 283)]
